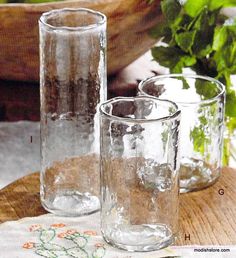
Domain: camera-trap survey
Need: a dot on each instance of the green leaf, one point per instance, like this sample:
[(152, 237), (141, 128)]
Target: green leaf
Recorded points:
[(205, 20), (226, 151), (220, 60), (47, 235), (185, 84), (171, 10), (188, 60), (226, 58), (199, 139), (203, 39), (203, 120), (224, 77), (183, 20), (184, 61), (194, 7), (185, 40), (232, 59), (202, 45), (167, 56), (202, 20), (173, 58), (230, 107), (231, 124), (220, 38), (206, 89), (160, 30), (216, 4)]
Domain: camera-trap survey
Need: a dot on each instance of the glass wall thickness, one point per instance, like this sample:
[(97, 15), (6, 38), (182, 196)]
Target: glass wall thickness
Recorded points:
[(72, 85), (139, 172)]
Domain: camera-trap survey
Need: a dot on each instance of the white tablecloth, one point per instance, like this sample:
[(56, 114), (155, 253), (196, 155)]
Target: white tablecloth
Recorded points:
[(65, 237)]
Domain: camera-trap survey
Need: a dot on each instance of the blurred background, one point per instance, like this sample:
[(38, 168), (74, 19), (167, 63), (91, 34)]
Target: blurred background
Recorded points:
[(19, 70)]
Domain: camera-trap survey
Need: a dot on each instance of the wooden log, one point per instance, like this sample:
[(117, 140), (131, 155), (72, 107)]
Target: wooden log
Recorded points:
[(128, 24)]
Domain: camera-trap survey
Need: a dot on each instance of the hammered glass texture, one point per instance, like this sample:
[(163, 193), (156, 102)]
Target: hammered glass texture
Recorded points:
[(139, 173), (201, 100), (72, 85)]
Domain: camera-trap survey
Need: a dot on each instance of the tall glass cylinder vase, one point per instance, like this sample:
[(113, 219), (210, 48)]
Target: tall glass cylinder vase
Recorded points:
[(72, 84)]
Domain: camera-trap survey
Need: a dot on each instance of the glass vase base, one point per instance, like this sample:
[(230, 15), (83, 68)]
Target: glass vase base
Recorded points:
[(72, 203), (140, 238), (196, 175)]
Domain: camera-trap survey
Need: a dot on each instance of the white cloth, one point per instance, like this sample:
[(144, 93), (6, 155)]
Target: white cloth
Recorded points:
[(65, 237)]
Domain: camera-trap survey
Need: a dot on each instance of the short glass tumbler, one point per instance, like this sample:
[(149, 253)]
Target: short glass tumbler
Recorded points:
[(72, 86), (139, 172), (201, 100)]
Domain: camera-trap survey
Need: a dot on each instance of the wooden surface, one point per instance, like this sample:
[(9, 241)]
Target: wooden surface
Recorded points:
[(206, 217), (19, 44)]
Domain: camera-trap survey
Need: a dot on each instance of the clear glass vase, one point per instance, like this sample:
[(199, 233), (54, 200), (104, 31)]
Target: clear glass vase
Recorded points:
[(201, 100), (72, 85), (139, 172)]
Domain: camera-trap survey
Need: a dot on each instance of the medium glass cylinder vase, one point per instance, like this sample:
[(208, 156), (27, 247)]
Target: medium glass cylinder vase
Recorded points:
[(139, 172), (72, 84)]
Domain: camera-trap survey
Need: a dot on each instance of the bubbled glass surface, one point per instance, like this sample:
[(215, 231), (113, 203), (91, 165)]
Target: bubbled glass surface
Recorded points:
[(72, 85), (201, 100), (139, 173)]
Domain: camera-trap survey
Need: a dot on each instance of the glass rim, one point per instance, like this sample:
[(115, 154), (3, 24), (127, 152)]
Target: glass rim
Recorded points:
[(44, 16), (220, 85), (173, 116)]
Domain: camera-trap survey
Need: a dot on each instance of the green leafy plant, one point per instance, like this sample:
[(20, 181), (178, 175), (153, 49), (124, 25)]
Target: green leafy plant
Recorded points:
[(199, 36)]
